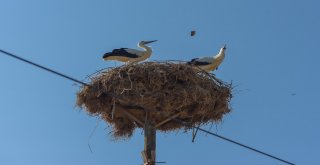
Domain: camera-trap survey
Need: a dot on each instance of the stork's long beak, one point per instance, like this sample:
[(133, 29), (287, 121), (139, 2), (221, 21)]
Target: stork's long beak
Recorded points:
[(148, 42)]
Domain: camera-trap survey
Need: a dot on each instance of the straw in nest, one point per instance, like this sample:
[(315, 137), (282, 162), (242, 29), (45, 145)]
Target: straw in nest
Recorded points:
[(123, 96)]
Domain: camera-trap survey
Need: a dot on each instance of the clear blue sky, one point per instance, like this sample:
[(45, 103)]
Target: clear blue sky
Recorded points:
[(272, 57)]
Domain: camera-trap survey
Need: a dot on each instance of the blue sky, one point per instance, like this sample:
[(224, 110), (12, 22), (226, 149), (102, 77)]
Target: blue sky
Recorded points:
[(272, 58)]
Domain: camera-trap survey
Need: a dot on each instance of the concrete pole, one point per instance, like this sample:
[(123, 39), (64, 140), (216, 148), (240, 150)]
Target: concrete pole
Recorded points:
[(149, 152)]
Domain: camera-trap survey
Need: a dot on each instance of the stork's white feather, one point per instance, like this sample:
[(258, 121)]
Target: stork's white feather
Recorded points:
[(209, 63), (130, 55)]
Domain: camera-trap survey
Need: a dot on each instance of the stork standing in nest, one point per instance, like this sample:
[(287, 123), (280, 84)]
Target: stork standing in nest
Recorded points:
[(130, 55), (209, 63)]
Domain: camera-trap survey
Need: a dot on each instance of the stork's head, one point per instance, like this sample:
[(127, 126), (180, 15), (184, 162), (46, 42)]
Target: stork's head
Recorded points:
[(224, 47), (146, 42)]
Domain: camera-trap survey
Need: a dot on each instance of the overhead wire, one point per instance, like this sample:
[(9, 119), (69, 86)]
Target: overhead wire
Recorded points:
[(234, 142), (120, 98), (42, 67)]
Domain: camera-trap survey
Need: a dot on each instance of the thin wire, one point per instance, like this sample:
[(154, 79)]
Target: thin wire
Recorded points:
[(93, 131), (42, 67), (234, 142), (118, 97)]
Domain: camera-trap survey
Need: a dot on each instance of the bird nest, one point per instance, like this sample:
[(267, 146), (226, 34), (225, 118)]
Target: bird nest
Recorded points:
[(164, 93)]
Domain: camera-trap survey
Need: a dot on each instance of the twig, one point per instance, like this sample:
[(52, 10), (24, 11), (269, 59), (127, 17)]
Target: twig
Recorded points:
[(131, 85), (168, 119), (113, 108)]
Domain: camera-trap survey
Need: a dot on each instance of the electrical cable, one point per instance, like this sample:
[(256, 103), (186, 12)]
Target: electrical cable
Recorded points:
[(42, 67), (234, 142)]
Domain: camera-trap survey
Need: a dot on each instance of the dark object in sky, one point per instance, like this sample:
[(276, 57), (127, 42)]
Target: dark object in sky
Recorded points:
[(193, 33)]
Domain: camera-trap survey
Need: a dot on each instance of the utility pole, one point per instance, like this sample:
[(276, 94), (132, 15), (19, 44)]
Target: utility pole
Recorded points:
[(149, 153)]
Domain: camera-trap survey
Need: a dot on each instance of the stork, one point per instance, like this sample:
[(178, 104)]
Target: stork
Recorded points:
[(130, 55), (209, 63)]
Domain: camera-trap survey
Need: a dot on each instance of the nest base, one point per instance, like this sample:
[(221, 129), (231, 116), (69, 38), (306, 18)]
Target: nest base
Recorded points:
[(161, 93)]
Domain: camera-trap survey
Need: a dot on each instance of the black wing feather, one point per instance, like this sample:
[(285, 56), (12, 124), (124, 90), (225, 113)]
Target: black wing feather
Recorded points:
[(120, 52), (195, 62)]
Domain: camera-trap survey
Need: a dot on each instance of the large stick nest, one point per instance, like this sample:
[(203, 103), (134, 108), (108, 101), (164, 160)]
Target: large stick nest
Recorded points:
[(127, 96)]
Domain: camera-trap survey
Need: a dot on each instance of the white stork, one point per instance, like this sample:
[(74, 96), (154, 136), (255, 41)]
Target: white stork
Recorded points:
[(130, 55), (209, 63)]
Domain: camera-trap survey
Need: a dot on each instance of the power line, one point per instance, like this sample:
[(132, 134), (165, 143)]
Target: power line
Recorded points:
[(120, 98), (59, 74), (42, 67), (234, 142)]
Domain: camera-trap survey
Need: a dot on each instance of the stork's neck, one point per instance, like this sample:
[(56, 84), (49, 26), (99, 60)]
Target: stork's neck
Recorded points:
[(220, 55), (148, 50)]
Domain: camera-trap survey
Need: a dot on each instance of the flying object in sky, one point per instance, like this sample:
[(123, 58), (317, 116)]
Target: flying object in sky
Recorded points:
[(193, 33)]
